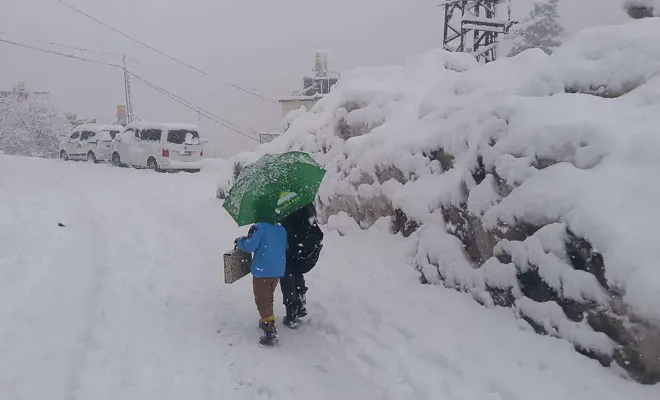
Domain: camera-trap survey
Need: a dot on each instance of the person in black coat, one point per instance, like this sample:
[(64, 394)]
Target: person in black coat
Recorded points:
[(305, 244)]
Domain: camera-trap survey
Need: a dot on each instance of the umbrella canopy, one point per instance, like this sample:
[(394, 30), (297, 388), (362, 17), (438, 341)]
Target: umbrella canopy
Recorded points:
[(274, 187)]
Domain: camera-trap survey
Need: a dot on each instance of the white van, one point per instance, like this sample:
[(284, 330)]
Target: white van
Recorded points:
[(161, 147), (89, 142)]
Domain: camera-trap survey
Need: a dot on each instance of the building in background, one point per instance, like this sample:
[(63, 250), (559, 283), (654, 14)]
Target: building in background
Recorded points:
[(314, 87)]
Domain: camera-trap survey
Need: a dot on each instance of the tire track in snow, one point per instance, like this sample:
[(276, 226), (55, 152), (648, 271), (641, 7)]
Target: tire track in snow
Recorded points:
[(97, 256)]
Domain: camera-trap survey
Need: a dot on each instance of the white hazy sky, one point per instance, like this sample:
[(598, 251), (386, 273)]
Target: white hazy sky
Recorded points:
[(265, 45)]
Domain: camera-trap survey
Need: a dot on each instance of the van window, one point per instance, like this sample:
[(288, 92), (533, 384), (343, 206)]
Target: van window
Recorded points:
[(181, 136), (75, 135), (150, 135), (85, 135), (113, 134)]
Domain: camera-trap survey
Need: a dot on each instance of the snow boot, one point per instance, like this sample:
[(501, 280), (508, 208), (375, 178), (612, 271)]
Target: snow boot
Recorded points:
[(269, 337), (291, 323), (302, 301), (291, 320)]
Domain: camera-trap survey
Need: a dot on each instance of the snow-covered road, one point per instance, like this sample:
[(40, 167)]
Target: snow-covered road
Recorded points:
[(127, 302)]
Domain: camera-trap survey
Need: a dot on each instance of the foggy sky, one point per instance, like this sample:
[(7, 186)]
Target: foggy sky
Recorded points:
[(264, 45)]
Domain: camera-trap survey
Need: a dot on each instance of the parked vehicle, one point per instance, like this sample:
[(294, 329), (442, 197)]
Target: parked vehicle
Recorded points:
[(89, 142), (161, 147), (104, 141)]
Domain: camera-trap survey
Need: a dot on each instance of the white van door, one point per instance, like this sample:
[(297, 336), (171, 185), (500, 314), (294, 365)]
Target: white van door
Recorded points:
[(103, 142), (86, 138), (134, 150), (150, 145), (71, 145), (184, 145)]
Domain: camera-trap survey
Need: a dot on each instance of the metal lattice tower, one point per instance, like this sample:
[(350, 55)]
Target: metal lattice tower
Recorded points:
[(472, 26)]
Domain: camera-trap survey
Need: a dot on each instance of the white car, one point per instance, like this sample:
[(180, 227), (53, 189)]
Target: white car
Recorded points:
[(161, 147), (89, 142)]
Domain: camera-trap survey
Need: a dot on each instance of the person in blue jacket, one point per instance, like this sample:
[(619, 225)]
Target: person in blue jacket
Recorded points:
[(268, 243)]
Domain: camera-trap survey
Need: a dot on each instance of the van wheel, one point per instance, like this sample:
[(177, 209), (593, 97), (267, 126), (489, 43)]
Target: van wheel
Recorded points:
[(91, 157), (116, 160), (64, 156), (152, 164)]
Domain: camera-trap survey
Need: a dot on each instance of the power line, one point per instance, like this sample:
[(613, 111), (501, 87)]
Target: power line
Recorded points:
[(67, 46), (27, 46), (217, 119), (251, 92), (132, 38), (197, 108), (213, 117), (102, 53), (162, 53)]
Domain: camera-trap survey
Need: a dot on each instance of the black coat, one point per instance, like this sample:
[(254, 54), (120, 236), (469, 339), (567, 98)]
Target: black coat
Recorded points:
[(305, 240)]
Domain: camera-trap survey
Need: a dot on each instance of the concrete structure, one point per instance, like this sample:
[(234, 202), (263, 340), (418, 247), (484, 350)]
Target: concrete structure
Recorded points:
[(294, 102), (314, 87)]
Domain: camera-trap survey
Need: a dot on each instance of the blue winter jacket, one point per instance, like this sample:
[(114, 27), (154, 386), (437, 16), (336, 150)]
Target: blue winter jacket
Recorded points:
[(268, 242)]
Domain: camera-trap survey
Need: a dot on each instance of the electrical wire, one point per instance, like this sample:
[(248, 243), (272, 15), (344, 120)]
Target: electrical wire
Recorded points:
[(197, 108), (27, 46), (211, 116), (162, 53), (215, 118), (132, 38), (251, 92)]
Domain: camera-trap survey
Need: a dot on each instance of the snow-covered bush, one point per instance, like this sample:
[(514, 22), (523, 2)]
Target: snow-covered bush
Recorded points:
[(516, 185), (540, 30), (31, 127), (290, 117)]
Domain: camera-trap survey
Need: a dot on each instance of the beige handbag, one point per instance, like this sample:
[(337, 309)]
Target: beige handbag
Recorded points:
[(237, 264)]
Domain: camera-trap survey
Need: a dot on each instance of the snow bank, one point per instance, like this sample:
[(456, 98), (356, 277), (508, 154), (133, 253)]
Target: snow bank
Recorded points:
[(605, 62), (527, 182)]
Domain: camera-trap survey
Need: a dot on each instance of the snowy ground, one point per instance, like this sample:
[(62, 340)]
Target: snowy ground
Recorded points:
[(127, 302)]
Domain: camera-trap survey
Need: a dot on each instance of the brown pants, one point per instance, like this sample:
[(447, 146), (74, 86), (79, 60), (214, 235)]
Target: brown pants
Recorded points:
[(264, 296)]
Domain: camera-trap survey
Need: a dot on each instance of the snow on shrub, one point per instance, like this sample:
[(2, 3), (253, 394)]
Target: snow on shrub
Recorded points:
[(516, 187), (31, 127)]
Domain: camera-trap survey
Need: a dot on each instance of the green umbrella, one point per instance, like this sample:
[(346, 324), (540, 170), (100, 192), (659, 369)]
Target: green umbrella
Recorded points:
[(273, 188)]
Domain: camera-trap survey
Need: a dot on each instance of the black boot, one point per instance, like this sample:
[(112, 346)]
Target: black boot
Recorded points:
[(302, 301), (270, 334), (291, 319)]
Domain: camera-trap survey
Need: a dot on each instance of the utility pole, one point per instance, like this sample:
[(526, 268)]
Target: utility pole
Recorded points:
[(127, 92)]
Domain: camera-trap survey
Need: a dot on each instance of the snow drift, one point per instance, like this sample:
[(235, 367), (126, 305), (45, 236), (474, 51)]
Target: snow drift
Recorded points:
[(527, 182)]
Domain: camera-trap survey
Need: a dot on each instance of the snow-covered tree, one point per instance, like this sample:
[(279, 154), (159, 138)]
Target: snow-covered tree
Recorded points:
[(31, 126), (540, 30)]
